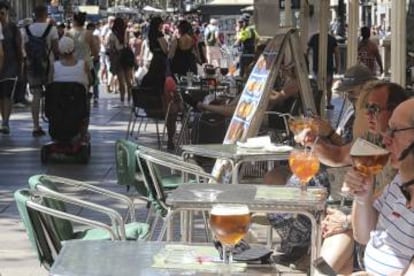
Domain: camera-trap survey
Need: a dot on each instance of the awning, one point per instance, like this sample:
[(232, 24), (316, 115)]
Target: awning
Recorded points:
[(224, 7), (122, 9), (152, 9), (89, 9), (230, 3)]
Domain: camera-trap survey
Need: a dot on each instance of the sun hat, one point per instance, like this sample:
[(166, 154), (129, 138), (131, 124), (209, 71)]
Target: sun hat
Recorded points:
[(354, 76), (66, 45)]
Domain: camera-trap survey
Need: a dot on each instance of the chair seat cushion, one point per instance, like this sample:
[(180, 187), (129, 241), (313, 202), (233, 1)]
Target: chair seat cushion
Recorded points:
[(171, 182), (133, 231)]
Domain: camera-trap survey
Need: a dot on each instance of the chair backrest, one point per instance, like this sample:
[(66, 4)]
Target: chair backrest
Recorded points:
[(148, 99), (66, 107), (40, 232), (64, 228), (127, 169), (155, 194)]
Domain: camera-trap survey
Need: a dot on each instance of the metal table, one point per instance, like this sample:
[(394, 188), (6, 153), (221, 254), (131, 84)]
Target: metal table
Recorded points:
[(233, 154), (126, 258), (259, 198)]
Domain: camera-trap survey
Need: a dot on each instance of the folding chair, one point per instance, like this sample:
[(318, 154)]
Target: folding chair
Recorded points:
[(149, 162), (46, 187)]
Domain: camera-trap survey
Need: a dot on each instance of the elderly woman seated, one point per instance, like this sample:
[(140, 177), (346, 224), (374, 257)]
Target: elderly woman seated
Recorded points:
[(68, 68)]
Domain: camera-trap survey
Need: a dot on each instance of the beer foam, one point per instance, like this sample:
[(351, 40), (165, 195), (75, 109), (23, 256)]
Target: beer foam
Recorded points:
[(229, 210), (362, 147)]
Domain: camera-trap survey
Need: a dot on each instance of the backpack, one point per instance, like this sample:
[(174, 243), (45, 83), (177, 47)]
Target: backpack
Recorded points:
[(38, 54), (211, 38)]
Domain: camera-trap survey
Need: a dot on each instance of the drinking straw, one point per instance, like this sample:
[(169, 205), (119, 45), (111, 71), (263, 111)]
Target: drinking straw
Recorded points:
[(313, 145)]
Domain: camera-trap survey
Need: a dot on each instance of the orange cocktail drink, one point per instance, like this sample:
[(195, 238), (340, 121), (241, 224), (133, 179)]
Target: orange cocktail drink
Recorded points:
[(305, 165)]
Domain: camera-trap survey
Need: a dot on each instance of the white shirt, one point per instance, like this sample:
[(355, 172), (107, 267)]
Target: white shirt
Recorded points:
[(75, 73), (38, 29), (391, 244)]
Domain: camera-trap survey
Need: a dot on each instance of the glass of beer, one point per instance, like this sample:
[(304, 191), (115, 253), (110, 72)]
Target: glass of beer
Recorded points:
[(229, 223), (367, 158), (304, 164)]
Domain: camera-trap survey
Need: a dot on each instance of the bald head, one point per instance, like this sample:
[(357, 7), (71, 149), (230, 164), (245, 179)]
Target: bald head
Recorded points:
[(405, 111)]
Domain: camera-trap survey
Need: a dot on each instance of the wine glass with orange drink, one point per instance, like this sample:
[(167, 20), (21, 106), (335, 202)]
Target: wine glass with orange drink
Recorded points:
[(304, 164)]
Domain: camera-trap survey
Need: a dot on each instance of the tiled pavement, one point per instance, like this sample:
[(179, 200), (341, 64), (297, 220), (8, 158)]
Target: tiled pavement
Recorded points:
[(20, 158)]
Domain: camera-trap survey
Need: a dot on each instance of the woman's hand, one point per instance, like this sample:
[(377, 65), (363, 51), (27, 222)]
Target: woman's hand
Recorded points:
[(306, 137), (334, 223)]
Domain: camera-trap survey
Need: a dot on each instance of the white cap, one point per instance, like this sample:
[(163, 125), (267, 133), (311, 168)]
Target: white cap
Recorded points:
[(213, 21), (66, 45)]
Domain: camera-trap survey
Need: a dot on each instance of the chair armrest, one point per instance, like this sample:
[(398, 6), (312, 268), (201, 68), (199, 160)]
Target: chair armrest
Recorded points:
[(80, 184), (115, 217), (179, 165), (74, 218), (167, 156)]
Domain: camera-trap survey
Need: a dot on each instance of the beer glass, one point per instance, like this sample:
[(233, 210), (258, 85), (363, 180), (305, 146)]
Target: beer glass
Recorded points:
[(367, 158), (229, 223), (304, 164)]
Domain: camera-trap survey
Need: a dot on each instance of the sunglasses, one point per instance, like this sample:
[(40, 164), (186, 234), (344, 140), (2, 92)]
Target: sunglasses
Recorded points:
[(373, 109), (390, 132)]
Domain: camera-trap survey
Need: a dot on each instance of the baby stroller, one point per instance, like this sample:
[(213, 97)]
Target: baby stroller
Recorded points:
[(67, 110)]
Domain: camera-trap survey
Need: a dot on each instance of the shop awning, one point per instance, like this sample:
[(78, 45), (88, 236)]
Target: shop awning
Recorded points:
[(224, 7)]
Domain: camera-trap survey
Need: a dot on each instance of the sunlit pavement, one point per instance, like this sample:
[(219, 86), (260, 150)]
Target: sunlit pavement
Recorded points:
[(20, 158)]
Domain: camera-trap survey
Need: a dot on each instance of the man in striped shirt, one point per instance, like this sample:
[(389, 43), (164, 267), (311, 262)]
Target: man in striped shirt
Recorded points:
[(386, 224)]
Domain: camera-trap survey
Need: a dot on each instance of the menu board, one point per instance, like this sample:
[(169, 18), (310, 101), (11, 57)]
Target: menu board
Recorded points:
[(253, 101)]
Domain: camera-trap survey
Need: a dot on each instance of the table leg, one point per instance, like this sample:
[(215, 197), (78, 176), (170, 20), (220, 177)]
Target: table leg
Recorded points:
[(235, 171), (184, 226), (315, 240)]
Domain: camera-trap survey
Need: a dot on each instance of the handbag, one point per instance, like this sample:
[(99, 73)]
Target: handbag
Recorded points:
[(127, 57)]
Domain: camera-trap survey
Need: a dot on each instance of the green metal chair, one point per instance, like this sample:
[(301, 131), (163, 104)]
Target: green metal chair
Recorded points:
[(40, 223), (149, 161), (129, 173), (46, 187)]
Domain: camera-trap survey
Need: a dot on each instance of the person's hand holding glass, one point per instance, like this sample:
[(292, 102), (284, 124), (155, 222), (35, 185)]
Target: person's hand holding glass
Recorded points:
[(229, 223), (307, 129), (368, 160), (303, 163)]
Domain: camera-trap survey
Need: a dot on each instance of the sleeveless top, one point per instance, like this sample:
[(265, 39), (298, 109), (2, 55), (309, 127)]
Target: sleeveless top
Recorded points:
[(75, 73), (10, 51), (82, 49)]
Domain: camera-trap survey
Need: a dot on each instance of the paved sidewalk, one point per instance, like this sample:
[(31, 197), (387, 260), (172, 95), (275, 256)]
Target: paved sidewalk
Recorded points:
[(20, 158)]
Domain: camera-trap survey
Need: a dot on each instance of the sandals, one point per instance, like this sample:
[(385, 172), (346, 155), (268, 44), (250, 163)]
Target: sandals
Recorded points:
[(39, 132)]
